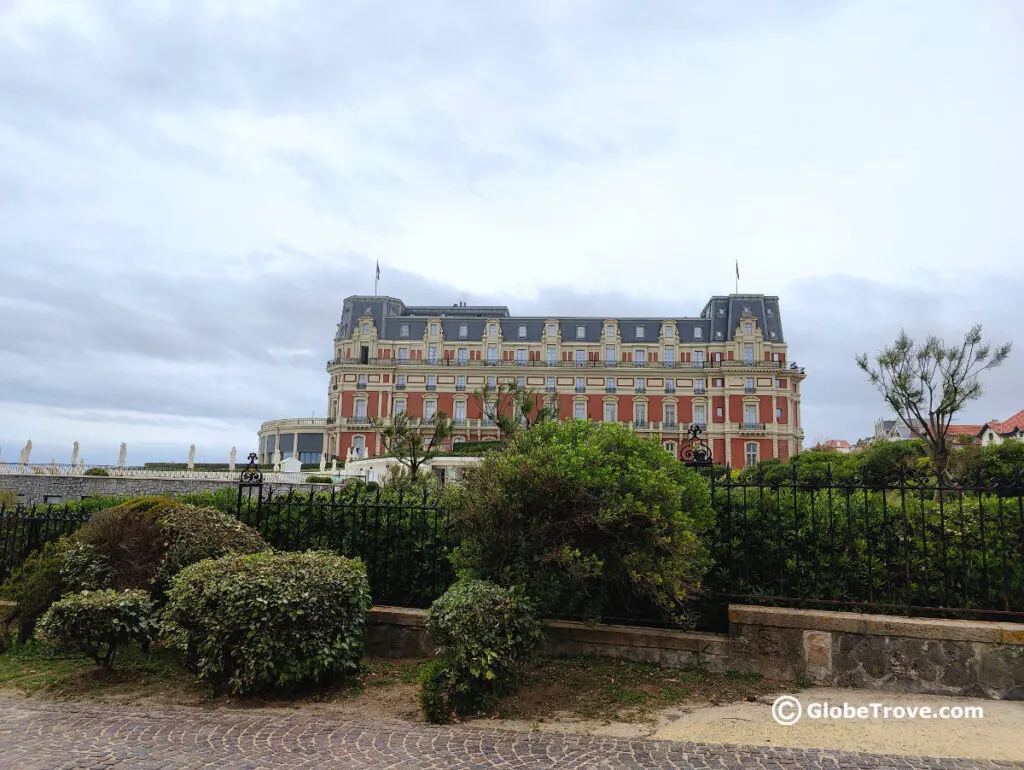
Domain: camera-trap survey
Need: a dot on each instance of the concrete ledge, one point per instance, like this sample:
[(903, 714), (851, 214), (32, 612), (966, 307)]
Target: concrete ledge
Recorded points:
[(878, 625), (634, 636)]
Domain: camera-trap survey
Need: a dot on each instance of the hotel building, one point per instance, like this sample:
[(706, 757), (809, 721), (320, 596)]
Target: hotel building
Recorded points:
[(726, 369)]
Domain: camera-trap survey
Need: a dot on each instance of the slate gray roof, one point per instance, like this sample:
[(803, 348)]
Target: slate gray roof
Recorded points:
[(716, 323)]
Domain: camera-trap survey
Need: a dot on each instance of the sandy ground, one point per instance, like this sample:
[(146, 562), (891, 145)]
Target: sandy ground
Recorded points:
[(998, 735)]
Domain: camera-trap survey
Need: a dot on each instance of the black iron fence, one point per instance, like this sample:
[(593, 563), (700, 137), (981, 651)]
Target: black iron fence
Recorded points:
[(912, 547), (24, 529)]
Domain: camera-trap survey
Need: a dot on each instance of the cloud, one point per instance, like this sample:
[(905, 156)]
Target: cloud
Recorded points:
[(188, 189)]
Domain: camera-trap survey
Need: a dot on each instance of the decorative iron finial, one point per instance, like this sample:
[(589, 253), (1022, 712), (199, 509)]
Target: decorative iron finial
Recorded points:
[(696, 453), (251, 474)]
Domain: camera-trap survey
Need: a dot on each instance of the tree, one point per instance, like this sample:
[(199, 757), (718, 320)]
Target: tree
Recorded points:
[(928, 385), (413, 440), (513, 408)]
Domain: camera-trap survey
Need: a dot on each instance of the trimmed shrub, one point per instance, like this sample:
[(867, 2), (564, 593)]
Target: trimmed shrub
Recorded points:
[(316, 479), (484, 633), (33, 587), (251, 623), (590, 518), (8, 498), (96, 472), (96, 623), (145, 541)]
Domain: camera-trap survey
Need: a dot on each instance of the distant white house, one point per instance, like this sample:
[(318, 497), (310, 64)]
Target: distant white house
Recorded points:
[(377, 468)]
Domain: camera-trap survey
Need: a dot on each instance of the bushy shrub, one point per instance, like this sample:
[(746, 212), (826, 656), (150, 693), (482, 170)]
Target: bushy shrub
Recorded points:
[(590, 518), (143, 542), (96, 623), (84, 567), (8, 498), (96, 472), (6, 640), (484, 632), (261, 621), (318, 479), (33, 587)]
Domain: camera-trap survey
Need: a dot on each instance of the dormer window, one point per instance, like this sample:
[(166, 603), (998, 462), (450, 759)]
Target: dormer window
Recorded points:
[(748, 329), (718, 335), (551, 330), (522, 332), (670, 331), (403, 330), (609, 332), (639, 332), (581, 332), (721, 312), (770, 312), (492, 329), (463, 331), (433, 328), (697, 332), (772, 335), (366, 328)]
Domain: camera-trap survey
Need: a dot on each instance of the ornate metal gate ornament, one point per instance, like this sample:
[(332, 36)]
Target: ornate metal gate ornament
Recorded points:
[(696, 453), (251, 474)]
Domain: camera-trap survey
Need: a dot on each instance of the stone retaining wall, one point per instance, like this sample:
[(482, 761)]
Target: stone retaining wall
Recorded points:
[(879, 652)]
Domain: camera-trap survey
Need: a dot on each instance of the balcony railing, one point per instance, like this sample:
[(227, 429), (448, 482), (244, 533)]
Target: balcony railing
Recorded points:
[(640, 424), (750, 389), (641, 389), (777, 365), (459, 421), (670, 424), (752, 426), (581, 389), (550, 388), (330, 421), (360, 386), (431, 387), (359, 419), (460, 388), (699, 391), (609, 388), (400, 386)]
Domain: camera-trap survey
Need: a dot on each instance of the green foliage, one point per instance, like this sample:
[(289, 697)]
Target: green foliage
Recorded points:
[(484, 633), (590, 518), (128, 541), (6, 640), (475, 448), (413, 440), (513, 408), (260, 621), (96, 623), (8, 498), (33, 587), (317, 479), (96, 472), (84, 567)]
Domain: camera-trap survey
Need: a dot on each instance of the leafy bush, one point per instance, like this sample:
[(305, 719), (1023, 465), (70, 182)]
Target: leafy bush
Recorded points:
[(317, 479), (96, 623), (6, 640), (33, 587), (8, 498), (484, 633), (143, 542), (260, 621), (590, 518), (96, 472), (84, 567)]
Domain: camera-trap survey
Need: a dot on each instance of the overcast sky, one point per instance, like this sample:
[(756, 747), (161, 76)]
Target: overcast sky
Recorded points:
[(189, 189)]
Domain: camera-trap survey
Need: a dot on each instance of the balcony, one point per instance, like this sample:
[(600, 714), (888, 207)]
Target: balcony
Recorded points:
[(360, 386), (670, 390), (330, 421), (609, 388), (400, 386), (641, 424), (581, 389), (460, 388), (750, 389), (752, 427), (699, 391), (459, 422), (670, 424), (359, 419), (550, 388), (641, 389), (701, 424), (640, 363), (431, 387)]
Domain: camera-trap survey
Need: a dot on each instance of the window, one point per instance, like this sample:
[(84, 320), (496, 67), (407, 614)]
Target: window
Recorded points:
[(750, 455), (399, 405), (609, 355), (580, 358), (432, 353), (489, 408), (521, 356), (699, 411), (429, 409), (579, 410), (609, 384), (721, 312), (581, 332), (492, 329), (361, 384), (698, 359), (492, 354), (551, 355), (719, 382), (670, 386), (698, 333), (670, 331), (403, 330), (358, 447), (640, 331), (609, 412), (718, 411), (670, 357), (490, 382), (463, 355), (403, 355), (775, 356), (460, 411), (778, 413), (551, 330), (640, 358), (360, 405), (463, 331), (749, 387), (458, 439), (609, 332), (718, 356), (460, 382), (549, 385), (698, 386), (400, 382), (750, 414), (640, 414), (747, 329), (641, 385), (431, 382), (433, 328), (366, 328), (580, 385), (748, 353), (670, 447), (778, 383), (522, 332), (670, 415), (520, 382)]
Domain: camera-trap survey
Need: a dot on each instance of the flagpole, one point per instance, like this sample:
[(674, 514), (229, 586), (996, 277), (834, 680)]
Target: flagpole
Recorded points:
[(737, 276), (376, 279)]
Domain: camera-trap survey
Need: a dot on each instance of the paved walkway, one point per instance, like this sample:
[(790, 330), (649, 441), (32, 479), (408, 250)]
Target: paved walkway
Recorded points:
[(36, 734)]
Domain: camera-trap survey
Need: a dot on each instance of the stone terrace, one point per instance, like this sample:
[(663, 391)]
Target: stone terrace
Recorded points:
[(36, 734)]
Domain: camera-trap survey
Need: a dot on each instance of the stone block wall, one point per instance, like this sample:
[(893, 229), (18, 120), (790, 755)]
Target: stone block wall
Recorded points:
[(880, 652), (34, 489)]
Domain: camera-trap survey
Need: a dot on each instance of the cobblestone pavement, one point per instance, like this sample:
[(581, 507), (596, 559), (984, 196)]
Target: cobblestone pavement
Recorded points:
[(36, 734)]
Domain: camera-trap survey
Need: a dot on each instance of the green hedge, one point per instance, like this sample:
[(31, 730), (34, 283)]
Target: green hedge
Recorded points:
[(252, 623), (96, 623)]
